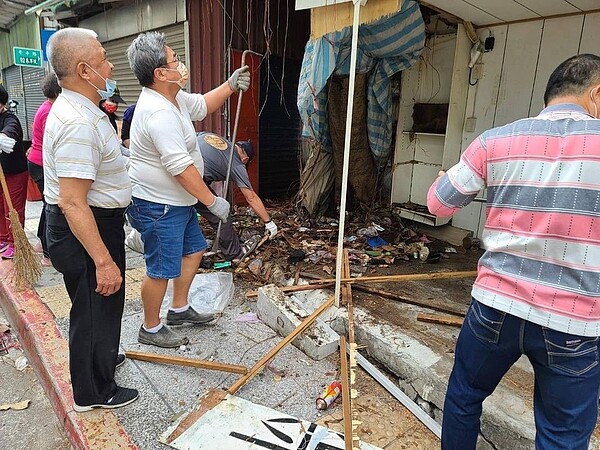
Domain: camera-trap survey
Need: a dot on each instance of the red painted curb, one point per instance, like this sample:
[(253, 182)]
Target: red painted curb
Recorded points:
[(47, 352)]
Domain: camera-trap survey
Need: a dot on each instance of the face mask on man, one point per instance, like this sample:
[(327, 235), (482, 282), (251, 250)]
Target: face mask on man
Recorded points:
[(183, 73), (110, 85)]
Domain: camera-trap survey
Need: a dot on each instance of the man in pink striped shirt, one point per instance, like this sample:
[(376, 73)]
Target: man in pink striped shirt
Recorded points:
[(537, 291)]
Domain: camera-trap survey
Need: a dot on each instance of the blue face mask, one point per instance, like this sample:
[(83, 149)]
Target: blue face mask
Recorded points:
[(111, 86)]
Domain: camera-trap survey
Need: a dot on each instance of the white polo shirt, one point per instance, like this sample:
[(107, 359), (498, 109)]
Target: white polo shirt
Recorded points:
[(80, 142), (163, 144)]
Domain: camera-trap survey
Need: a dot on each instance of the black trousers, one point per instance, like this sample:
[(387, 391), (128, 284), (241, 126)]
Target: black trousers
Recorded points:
[(37, 174), (95, 320), (229, 243)]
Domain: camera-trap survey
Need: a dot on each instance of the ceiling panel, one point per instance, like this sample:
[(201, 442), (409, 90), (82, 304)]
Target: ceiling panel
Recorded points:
[(505, 10), (549, 7), (465, 11), (485, 12), (585, 5)]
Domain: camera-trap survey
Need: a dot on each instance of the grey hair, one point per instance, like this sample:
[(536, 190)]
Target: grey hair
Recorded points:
[(65, 50), (50, 86), (146, 53)]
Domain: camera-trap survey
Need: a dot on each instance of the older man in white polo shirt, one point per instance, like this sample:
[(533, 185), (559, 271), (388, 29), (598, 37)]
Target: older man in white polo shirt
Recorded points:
[(87, 190)]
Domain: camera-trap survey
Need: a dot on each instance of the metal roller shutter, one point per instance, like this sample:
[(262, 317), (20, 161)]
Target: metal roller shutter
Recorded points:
[(23, 86), (129, 87), (34, 96), (14, 87)]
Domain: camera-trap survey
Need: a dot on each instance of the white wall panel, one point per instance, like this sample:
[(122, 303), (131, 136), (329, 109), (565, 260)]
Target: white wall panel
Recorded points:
[(590, 42), (518, 71), (560, 40), (481, 100)]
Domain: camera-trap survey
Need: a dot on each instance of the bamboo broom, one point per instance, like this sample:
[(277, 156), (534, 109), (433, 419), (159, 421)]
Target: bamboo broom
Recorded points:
[(27, 267)]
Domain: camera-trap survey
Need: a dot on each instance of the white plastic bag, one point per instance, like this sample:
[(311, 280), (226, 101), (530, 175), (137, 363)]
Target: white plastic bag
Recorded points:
[(209, 293)]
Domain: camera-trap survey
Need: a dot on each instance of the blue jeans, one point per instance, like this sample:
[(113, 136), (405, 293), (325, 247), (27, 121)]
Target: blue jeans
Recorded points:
[(169, 233), (567, 379)]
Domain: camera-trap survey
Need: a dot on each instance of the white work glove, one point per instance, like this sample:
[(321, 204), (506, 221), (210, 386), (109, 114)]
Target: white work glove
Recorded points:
[(220, 208), (271, 228), (240, 79), (7, 144)]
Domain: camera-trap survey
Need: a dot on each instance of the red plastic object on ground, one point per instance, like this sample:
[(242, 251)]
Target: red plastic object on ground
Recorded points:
[(33, 193)]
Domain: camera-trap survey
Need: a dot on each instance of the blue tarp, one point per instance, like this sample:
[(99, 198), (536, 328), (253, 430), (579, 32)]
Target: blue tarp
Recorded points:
[(386, 46)]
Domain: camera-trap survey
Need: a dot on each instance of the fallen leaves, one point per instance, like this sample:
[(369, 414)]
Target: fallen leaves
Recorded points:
[(16, 406)]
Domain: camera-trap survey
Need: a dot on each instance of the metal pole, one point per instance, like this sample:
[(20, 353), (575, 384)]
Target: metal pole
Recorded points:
[(215, 246)]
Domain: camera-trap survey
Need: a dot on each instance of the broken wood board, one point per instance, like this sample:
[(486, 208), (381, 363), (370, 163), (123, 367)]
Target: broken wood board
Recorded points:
[(237, 424), (439, 319), (326, 282), (178, 360)]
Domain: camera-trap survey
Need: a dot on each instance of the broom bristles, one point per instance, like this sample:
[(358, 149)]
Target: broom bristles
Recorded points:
[(27, 264)]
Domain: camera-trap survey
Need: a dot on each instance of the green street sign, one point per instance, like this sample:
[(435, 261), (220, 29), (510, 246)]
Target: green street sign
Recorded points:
[(28, 57)]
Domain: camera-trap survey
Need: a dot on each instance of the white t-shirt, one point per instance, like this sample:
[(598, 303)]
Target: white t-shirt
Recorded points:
[(80, 142), (163, 144)]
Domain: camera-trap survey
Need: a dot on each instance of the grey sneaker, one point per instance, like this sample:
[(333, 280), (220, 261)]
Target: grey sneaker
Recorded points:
[(189, 316), (165, 337)]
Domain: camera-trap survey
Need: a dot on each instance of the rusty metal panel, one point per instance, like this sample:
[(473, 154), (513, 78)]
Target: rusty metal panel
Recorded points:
[(207, 55)]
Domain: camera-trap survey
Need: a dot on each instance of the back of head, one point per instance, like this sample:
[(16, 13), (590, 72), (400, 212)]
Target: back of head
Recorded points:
[(574, 77), (66, 48), (247, 147), (146, 53), (3, 96), (50, 86)]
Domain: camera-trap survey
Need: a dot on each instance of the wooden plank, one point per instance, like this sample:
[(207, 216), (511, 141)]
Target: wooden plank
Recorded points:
[(346, 287), (289, 338), (346, 402), (560, 40), (179, 361), (375, 279), (396, 297), (443, 320)]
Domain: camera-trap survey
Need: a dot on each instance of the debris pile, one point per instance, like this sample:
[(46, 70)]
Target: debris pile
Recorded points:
[(378, 240)]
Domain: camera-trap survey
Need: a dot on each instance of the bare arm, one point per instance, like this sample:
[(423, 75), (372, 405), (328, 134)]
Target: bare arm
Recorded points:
[(217, 97), (193, 183), (73, 202), (256, 204)]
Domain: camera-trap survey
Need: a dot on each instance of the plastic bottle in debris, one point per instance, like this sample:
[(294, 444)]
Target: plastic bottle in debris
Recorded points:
[(331, 393)]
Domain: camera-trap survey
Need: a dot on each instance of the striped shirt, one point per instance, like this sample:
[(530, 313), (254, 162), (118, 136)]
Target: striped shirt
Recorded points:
[(542, 230), (80, 142)]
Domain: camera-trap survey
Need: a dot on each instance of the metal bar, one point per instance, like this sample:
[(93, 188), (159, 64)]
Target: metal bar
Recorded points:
[(433, 426)]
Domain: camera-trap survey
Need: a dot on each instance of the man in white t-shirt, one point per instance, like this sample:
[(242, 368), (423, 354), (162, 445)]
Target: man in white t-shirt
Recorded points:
[(87, 191), (166, 171)]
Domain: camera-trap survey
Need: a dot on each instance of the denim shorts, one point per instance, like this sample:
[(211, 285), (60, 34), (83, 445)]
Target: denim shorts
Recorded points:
[(169, 233)]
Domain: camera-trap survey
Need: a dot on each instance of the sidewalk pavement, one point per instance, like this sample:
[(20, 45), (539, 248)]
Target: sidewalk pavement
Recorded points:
[(290, 383)]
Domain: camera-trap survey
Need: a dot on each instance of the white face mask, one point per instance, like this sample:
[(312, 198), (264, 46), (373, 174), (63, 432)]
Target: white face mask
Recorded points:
[(183, 73), (595, 105)]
